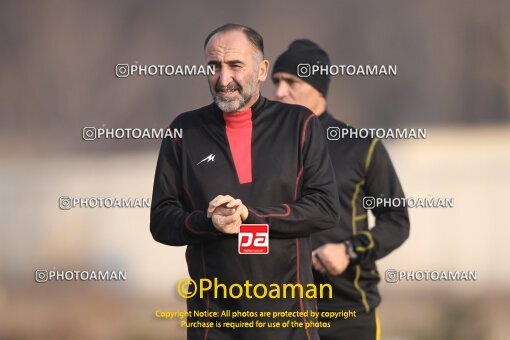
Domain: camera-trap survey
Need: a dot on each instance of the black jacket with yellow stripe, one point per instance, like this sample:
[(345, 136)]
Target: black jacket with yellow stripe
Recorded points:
[(363, 168)]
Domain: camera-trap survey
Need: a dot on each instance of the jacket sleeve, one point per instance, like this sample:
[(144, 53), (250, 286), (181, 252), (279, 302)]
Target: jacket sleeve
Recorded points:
[(170, 222), (316, 205), (391, 223)]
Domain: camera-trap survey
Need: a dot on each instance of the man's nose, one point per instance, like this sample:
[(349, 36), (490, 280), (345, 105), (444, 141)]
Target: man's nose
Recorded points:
[(224, 77), (282, 90)]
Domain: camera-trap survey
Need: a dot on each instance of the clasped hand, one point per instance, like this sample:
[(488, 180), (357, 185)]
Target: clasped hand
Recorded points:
[(227, 213)]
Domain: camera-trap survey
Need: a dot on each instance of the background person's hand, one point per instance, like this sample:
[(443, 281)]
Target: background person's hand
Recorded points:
[(330, 258)]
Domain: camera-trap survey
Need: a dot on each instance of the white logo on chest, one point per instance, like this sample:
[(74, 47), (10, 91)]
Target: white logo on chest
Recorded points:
[(208, 159)]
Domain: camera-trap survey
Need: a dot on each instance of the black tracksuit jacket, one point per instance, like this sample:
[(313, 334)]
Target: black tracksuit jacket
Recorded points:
[(362, 168), (293, 190)]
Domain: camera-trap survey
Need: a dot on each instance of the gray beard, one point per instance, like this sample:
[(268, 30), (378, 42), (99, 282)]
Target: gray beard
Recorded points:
[(237, 103), (232, 105)]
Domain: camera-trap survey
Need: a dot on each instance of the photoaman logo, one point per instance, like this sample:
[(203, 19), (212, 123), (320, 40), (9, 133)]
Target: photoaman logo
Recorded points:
[(188, 288), (253, 239)]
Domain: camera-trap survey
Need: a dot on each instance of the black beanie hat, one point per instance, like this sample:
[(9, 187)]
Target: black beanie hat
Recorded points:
[(304, 51)]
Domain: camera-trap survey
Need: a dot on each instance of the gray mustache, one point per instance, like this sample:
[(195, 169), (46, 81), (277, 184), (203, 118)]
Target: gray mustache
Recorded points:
[(228, 87)]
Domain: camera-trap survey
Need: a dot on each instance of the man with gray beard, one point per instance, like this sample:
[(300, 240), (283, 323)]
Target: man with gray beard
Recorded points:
[(244, 160)]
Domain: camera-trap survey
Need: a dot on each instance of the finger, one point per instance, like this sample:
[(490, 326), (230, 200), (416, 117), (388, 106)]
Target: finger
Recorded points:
[(244, 213), (316, 264), (215, 199), (222, 211), (319, 268), (232, 228), (210, 208), (221, 200), (229, 224), (234, 203), (238, 209), (226, 220), (324, 268), (214, 204)]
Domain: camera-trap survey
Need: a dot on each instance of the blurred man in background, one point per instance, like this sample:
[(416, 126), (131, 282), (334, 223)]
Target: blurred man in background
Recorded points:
[(223, 173), (345, 255)]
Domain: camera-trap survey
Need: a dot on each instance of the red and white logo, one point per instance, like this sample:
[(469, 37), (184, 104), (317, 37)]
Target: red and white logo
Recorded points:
[(254, 239)]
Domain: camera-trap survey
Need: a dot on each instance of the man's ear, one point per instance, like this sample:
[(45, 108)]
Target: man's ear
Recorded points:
[(263, 69)]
